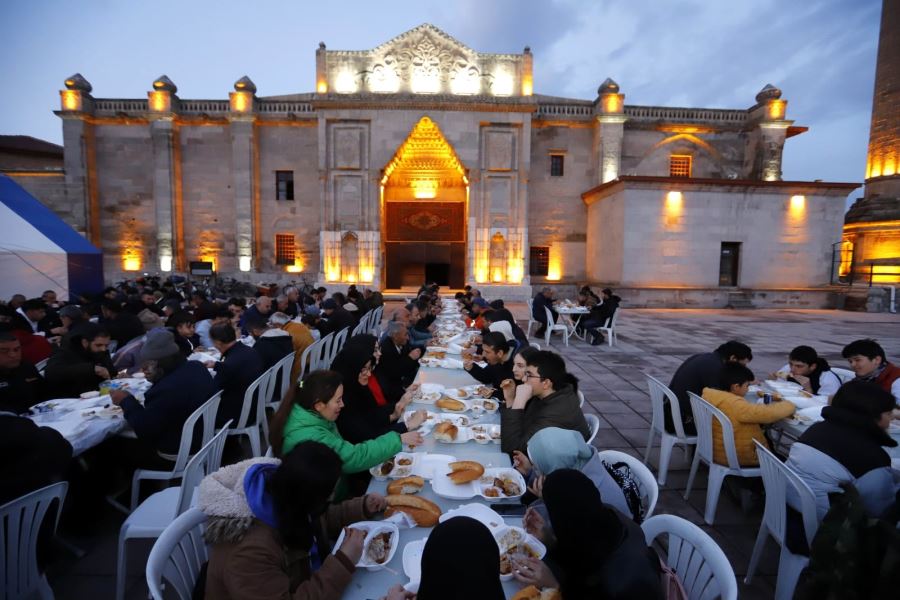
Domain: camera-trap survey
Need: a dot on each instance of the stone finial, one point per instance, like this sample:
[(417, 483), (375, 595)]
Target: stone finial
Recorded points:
[(321, 45), (769, 92), (527, 50), (608, 87), (77, 82), (245, 84), (164, 84)]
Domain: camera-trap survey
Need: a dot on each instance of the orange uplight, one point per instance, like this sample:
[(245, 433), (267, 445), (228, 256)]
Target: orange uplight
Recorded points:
[(514, 271), (131, 263), (554, 268), (777, 109), (240, 101), (322, 87), (798, 205), (295, 268), (612, 103), (160, 101), (527, 85), (71, 100), (210, 258)]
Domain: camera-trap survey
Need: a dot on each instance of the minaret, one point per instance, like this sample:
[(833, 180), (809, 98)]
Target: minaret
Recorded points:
[(872, 225)]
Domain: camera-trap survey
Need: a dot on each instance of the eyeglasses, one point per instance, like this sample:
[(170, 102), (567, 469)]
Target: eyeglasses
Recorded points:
[(365, 370), (530, 376)]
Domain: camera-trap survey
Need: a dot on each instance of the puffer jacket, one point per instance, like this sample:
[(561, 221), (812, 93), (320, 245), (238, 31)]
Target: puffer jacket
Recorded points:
[(247, 559), (746, 419), (820, 472)]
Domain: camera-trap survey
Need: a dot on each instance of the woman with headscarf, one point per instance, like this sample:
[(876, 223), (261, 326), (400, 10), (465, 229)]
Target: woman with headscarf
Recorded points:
[(598, 552), (503, 314), (469, 547)]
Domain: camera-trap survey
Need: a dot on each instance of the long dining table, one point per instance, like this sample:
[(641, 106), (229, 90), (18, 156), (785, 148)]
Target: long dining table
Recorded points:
[(368, 584)]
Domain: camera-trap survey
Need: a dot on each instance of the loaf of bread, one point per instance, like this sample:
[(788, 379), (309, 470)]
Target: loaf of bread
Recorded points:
[(464, 471)]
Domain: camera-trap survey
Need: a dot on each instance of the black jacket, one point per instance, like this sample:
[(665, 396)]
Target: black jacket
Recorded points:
[(168, 404), (537, 308), (395, 365), (852, 439), (273, 347), (603, 312), (559, 409), (124, 327), (697, 372), (338, 319), (493, 375), (240, 366), (70, 371), (33, 456), (21, 388)]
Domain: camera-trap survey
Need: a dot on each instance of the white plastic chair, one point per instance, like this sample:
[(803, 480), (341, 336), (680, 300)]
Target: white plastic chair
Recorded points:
[(280, 378), (777, 476), (177, 556), (531, 321), (363, 325), (308, 360), (41, 366), (704, 413), (150, 519), (844, 375), (610, 328), (580, 399), (535, 345), (20, 524), (645, 479), (255, 400), (593, 422), (695, 557), (323, 359), (206, 411), (658, 393), (551, 327), (375, 326), (340, 338)]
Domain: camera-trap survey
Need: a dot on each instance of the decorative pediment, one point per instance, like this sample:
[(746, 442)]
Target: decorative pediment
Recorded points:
[(425, 162)]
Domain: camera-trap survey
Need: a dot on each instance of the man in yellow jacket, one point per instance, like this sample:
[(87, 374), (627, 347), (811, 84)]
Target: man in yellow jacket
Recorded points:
[(746, 417)]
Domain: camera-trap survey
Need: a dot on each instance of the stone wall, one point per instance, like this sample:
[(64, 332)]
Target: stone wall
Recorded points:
[(714, 155)]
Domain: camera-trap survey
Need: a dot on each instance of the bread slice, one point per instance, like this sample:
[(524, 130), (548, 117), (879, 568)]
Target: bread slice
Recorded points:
[(464, 471), (424, 512), (406, 485), (445, 431)]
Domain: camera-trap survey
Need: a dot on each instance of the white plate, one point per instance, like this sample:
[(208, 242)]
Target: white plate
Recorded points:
[(458, 393), (490, 431), (412, 562), (492, 401), (483, 484), (455, 418), (463, 435), (481, 513), (372, 529), (429, 464), (443, 349)]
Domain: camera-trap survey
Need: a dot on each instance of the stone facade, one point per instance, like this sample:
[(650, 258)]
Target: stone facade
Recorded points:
[(424, 121)]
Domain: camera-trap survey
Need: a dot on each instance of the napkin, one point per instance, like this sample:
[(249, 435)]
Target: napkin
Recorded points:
[(401, 520)]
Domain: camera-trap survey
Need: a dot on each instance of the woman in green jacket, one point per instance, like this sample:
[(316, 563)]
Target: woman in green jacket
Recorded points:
[(309, 414)]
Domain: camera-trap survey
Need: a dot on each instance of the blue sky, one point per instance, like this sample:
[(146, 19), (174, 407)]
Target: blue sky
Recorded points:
[(711, 53)]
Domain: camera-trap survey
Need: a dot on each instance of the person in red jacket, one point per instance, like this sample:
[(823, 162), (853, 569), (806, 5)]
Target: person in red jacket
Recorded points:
[(868, 361)]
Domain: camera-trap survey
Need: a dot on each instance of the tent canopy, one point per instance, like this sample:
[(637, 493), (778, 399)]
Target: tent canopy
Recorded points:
[(39, 251)]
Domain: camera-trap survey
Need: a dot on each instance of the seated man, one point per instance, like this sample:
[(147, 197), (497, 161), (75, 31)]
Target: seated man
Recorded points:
[(21, 386), (811, 371), (698, 372), (399, 360), (746, 417), (179, 388), (122, 326), (600, 314), (544, 299), (181, 324), (868, 361), (34, 456), (546, 399), (31, 313), (418, 336), (262, 308), (335, 318), (201, 328), (272, 343), (80, 363), (239, 367), (200, 306), (301, 338)]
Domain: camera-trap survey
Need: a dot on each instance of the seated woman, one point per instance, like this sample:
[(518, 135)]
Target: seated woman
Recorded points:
[(848, 447), (615, 564), (378, 384), (746, 417), (309, 414), (270, 526), (497, 354), (553, 448)]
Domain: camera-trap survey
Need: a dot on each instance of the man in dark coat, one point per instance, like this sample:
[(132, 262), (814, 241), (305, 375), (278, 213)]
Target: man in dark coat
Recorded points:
[(34, 456), (81, 363), (122, 326), (544, 299), (336, 318), (261, 309), (399, 361), (239, 367), (272, 344), (600, 314), (698, 372), (21, 386)]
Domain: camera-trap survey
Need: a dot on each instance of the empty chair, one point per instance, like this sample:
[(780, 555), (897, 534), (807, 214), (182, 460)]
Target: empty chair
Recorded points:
[(695, 557), (704, 413), (593, 422), (207, 411), (658, 394), (610, 328), (156, 512), (777, 477), (178, 556), (20, 524), (551, 327), (647, 485), (253, 413)]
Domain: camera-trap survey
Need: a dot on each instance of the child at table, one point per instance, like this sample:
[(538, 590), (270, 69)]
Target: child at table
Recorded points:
[(746, 417)]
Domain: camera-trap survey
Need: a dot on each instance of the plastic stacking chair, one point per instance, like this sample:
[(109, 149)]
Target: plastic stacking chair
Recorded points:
[(177, 557), (695, 557), (777, 477), (704, 413), (253, 413), (610, 328), (531, 320), (580, 399), (340, 339), (307, 359), (323, 360), (20, 524), (150, 519), (375, 326), (593, 422), (207, 411), (658, 393), (647, 485), (551, 327), (279, 381), (844, 375), (535, 345)]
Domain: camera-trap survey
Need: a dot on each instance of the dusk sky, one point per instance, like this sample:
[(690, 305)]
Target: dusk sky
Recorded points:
[(703, 53)]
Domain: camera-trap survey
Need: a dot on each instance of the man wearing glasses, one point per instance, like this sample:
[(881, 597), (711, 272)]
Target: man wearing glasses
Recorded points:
[(547, 398)]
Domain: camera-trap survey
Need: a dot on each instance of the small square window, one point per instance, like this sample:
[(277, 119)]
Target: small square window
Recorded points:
[(557, 165), (679, 165), (285, 251), (284, 185), (539, 261)]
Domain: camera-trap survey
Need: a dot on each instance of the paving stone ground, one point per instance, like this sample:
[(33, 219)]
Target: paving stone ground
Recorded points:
[(651, 342)]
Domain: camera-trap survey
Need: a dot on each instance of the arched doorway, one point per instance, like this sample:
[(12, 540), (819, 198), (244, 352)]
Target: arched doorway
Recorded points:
[(424, 194)]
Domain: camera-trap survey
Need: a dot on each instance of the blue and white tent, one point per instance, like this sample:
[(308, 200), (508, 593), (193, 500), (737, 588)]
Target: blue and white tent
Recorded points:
[(39, 251)]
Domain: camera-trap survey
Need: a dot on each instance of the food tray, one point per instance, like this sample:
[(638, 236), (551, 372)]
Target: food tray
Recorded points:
[(445, 488), (467, 406), (373, 528), (516, 536), (490, 433), (480, 512), (412, 563), (398, 470)]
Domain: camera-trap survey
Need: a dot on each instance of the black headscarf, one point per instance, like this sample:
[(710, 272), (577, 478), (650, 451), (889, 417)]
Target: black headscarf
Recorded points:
[(460, 561), (587, 531), (349, 362)]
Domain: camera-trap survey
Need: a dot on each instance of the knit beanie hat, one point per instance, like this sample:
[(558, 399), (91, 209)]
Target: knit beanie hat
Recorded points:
[(160, 343)]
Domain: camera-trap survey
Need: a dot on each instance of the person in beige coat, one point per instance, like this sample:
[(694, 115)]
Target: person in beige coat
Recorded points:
[(746, 417), (270, 526)]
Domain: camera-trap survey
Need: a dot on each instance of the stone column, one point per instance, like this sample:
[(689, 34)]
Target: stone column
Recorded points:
[(771, 133), (161, 106), (610, 131), (76, 104), (243, 170)]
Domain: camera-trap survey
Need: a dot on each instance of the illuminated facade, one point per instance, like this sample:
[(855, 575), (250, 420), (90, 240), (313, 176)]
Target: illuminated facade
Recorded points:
[(425, 159)]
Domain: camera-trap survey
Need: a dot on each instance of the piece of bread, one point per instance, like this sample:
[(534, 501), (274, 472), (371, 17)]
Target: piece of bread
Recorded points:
[(445, 431), (424, 512), (406, 485), (528, 593), (450, 404), (464, 471)]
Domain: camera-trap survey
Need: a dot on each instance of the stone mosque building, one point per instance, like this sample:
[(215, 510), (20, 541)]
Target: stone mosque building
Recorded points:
[(423, 158)]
